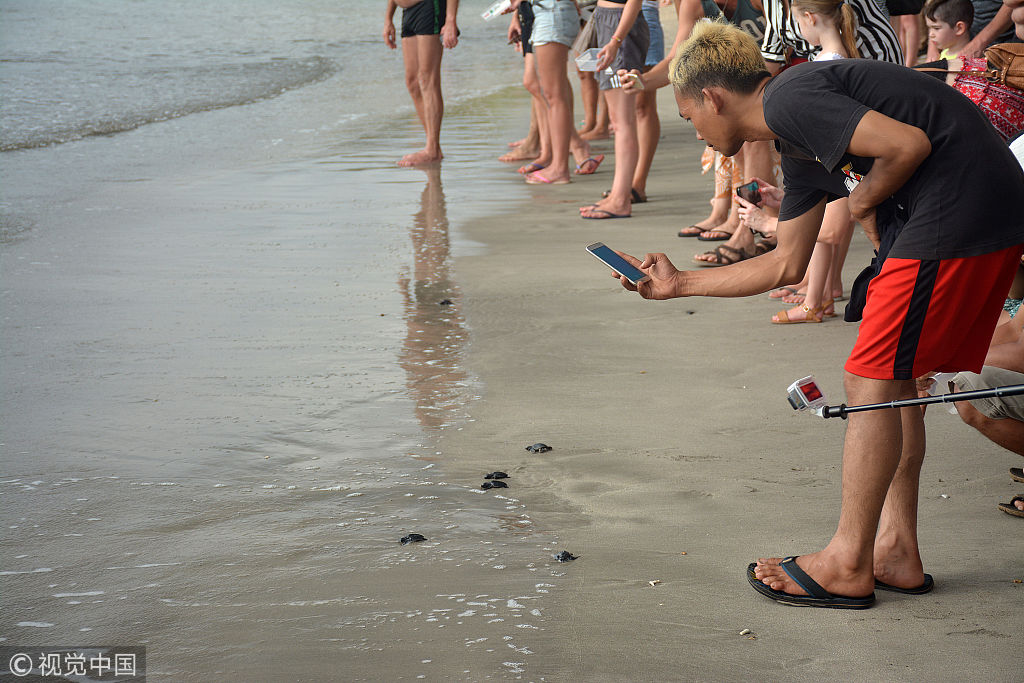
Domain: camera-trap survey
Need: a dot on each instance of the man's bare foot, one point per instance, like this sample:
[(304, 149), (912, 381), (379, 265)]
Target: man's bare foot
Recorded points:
[(837, 575), (595, 134), (897, 562), (421, 158)]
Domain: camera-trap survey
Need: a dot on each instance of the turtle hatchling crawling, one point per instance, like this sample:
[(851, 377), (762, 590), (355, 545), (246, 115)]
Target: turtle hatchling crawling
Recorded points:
[(496, 484), (412, 538), (565, 556), (496, 475), (539, 448)]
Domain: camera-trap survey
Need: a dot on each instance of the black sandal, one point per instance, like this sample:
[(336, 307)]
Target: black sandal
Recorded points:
[(634, 198), (722, 258)]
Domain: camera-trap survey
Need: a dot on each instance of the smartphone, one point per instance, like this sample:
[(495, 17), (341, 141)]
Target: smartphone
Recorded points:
[(750, 192), (617, 263)]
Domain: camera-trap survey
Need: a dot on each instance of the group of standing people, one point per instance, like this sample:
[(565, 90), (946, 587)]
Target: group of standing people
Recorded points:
[(824, 92)]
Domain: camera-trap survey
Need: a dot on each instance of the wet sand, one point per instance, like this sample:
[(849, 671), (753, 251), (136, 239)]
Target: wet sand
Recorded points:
[(677, 459)]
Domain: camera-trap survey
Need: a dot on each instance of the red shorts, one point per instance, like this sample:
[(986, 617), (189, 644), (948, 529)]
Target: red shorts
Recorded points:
[(924, 316)]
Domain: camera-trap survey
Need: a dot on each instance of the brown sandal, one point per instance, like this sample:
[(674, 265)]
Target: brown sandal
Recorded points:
[(810, 313)]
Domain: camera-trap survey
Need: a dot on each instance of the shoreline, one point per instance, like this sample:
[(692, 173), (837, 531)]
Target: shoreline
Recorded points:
[(677, 459)]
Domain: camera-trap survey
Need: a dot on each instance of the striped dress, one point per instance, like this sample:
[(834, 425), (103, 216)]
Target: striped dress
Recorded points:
[(875, 37)]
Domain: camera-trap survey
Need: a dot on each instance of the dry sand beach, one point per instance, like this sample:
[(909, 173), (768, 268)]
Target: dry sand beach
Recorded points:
[(677, 459)]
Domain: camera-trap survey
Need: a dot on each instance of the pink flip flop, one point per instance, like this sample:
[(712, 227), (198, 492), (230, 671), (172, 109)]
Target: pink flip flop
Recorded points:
[(536, 178)]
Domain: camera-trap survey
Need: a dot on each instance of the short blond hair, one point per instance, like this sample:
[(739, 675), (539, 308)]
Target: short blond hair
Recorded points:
[(717, 53)]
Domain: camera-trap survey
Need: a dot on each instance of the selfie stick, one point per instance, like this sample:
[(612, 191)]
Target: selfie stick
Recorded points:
[(844, 410)]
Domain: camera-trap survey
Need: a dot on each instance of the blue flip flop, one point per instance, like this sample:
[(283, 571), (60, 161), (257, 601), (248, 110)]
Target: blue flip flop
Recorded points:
[(928, 584), (817, 596)]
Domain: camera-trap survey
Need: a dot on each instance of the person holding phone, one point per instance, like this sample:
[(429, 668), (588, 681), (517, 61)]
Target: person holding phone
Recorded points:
[(937, 191), (623, 32)]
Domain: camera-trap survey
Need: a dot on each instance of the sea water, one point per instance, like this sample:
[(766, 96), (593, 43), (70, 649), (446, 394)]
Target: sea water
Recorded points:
[(226, 356)]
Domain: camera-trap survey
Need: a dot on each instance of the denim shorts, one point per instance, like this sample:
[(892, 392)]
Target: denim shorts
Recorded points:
[(656, 51), (554, 21)]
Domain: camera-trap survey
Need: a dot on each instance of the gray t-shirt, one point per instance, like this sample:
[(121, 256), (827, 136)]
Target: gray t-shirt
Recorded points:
[(984, 11)]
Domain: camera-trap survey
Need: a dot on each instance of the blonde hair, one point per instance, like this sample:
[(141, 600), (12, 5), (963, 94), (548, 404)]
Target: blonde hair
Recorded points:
[(839, 14), (720, 54)]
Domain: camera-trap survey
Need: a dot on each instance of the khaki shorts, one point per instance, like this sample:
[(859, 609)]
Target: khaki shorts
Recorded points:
[(1000, 408)]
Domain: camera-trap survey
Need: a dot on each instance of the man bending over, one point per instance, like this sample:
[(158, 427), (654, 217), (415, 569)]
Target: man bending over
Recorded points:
[(422, 22), (938, 194)]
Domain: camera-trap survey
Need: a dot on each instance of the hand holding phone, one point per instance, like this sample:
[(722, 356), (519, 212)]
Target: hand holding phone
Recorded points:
[(750, 192), (620, 265)]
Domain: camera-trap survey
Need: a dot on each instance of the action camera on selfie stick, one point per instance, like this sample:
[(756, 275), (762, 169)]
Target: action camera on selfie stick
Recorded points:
[(804, 394)]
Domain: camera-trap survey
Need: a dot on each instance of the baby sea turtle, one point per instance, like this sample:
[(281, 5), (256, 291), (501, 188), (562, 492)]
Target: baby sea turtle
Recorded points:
[(496, 475), (497, 484), (565, 556), (446, 302), (539, 448), (412, 538)]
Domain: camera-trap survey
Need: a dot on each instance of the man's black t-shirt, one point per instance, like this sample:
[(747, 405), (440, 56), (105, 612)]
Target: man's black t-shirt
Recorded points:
[(965, 199)]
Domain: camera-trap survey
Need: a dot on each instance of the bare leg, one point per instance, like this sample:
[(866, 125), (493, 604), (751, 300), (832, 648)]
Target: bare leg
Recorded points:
[(551, 70), (908, 29), (834, 227), (422, 58), (601, 126), (627, 151), (531, 81), (838, 261), (722, 199), (589, 94), (871, 458), (648, 127), (528, 147), (897, 560)]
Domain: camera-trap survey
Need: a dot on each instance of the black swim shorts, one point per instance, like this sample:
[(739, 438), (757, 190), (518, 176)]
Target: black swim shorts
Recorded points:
[(425, 18)]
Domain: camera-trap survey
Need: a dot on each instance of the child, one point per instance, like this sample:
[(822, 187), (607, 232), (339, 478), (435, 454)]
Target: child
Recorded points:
[(949, 23), (830, 24)]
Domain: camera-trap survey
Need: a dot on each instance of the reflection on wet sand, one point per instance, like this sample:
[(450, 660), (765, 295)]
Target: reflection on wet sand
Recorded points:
[(435, 328)]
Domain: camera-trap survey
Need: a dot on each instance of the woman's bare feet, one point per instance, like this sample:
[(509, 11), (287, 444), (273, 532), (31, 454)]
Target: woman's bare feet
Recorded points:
[(607, 207), (520, 153), (741, 240)]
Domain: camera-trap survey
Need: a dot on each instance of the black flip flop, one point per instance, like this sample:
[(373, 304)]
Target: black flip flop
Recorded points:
[(721, 257), (817, 596), (1017, 473), (1010, 508), (928, 584), (702, 238), (698, 229), (634, 198)]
